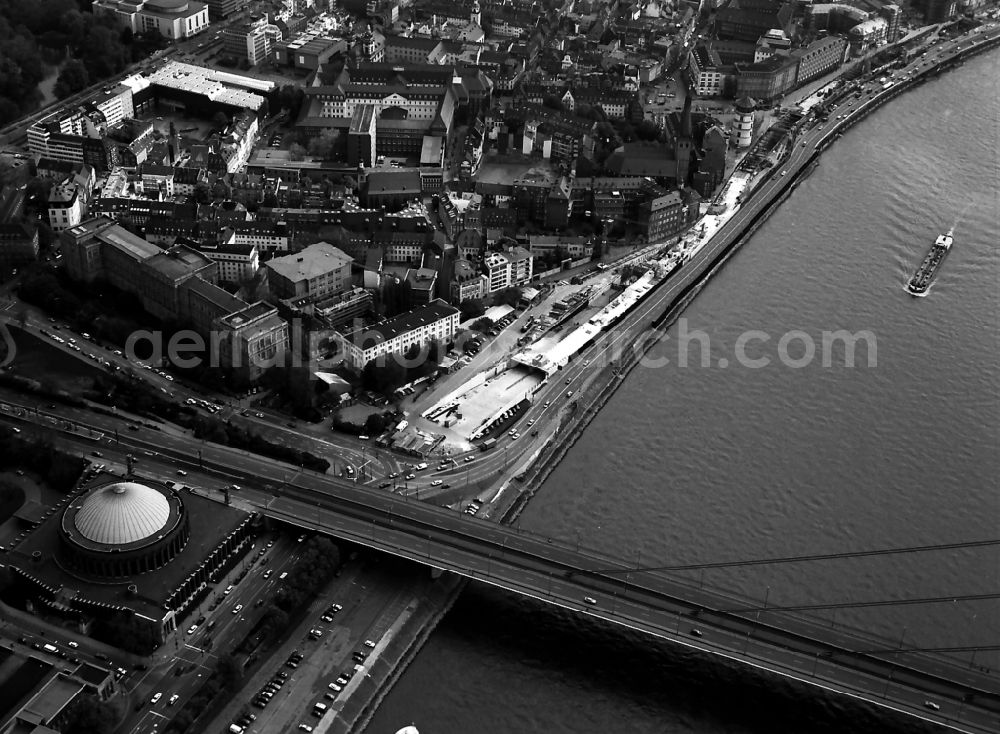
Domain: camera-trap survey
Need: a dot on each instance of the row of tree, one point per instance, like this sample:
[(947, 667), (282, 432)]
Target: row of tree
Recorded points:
[(19, 451), (88, 714), (320, 559), (225, 679), (125, 632), (213, 429), (375, 424), (387, 373)]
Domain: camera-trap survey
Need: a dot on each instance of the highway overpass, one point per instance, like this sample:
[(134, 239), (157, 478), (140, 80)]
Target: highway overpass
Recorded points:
[(554, 572)]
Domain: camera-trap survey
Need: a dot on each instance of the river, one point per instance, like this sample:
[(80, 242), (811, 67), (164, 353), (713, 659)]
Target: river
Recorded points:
[(710, 463)]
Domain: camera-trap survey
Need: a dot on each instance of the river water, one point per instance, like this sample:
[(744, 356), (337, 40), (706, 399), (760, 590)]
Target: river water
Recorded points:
[(709, 464)]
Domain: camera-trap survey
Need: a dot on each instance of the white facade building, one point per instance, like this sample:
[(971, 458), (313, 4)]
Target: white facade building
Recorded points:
[(66, 206), (174, 19), (512, 267), (435, 322), (236, 262)]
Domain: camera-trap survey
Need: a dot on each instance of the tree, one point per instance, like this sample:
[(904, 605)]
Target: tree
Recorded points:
[(72, 78), (509, 296), (275, 621), (203, 192), (396, 296), (229, 671), (552, 102), (376, 424), (471, 308), (221, 189), (482, 325), (221, 120), (290, 97), (89, 715), (647, 130), (296, 152), (323, 145), (383, 374)]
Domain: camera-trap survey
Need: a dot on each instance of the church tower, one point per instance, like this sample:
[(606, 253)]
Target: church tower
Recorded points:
[(477, 15)]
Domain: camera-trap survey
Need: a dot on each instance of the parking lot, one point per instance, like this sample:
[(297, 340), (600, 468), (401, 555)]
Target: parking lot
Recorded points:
[(489, 398)]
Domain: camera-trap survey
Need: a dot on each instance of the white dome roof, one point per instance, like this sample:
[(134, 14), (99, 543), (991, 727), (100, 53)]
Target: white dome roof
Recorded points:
[(122, 513)]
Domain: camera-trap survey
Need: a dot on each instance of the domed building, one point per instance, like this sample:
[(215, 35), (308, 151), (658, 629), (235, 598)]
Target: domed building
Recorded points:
[(126, 557), (123, 528)]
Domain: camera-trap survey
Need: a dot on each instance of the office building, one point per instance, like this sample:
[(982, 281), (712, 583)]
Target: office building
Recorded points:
[(252, 41), (319, 270), (251, 340)]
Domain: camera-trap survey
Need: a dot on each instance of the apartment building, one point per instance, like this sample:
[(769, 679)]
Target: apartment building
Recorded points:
[(67, 205), (467, 281), (512, 267), (435, 322), (265, 235), (236, 262)]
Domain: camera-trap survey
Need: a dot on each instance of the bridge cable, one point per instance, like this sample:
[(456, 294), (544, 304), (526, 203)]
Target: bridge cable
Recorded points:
[(798, 559), (858, 605)]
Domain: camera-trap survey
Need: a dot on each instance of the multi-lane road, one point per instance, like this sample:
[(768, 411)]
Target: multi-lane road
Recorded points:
[(340, 450), (180, 668), (560, 574)]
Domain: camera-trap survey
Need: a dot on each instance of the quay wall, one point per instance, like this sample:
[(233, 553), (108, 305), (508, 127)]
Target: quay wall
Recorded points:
[(429, 611)]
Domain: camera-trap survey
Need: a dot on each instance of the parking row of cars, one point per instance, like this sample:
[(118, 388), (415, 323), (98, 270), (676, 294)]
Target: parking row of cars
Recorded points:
[(242, 723), (335, 688), (265, 694), (330, 611), (503, 323)]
